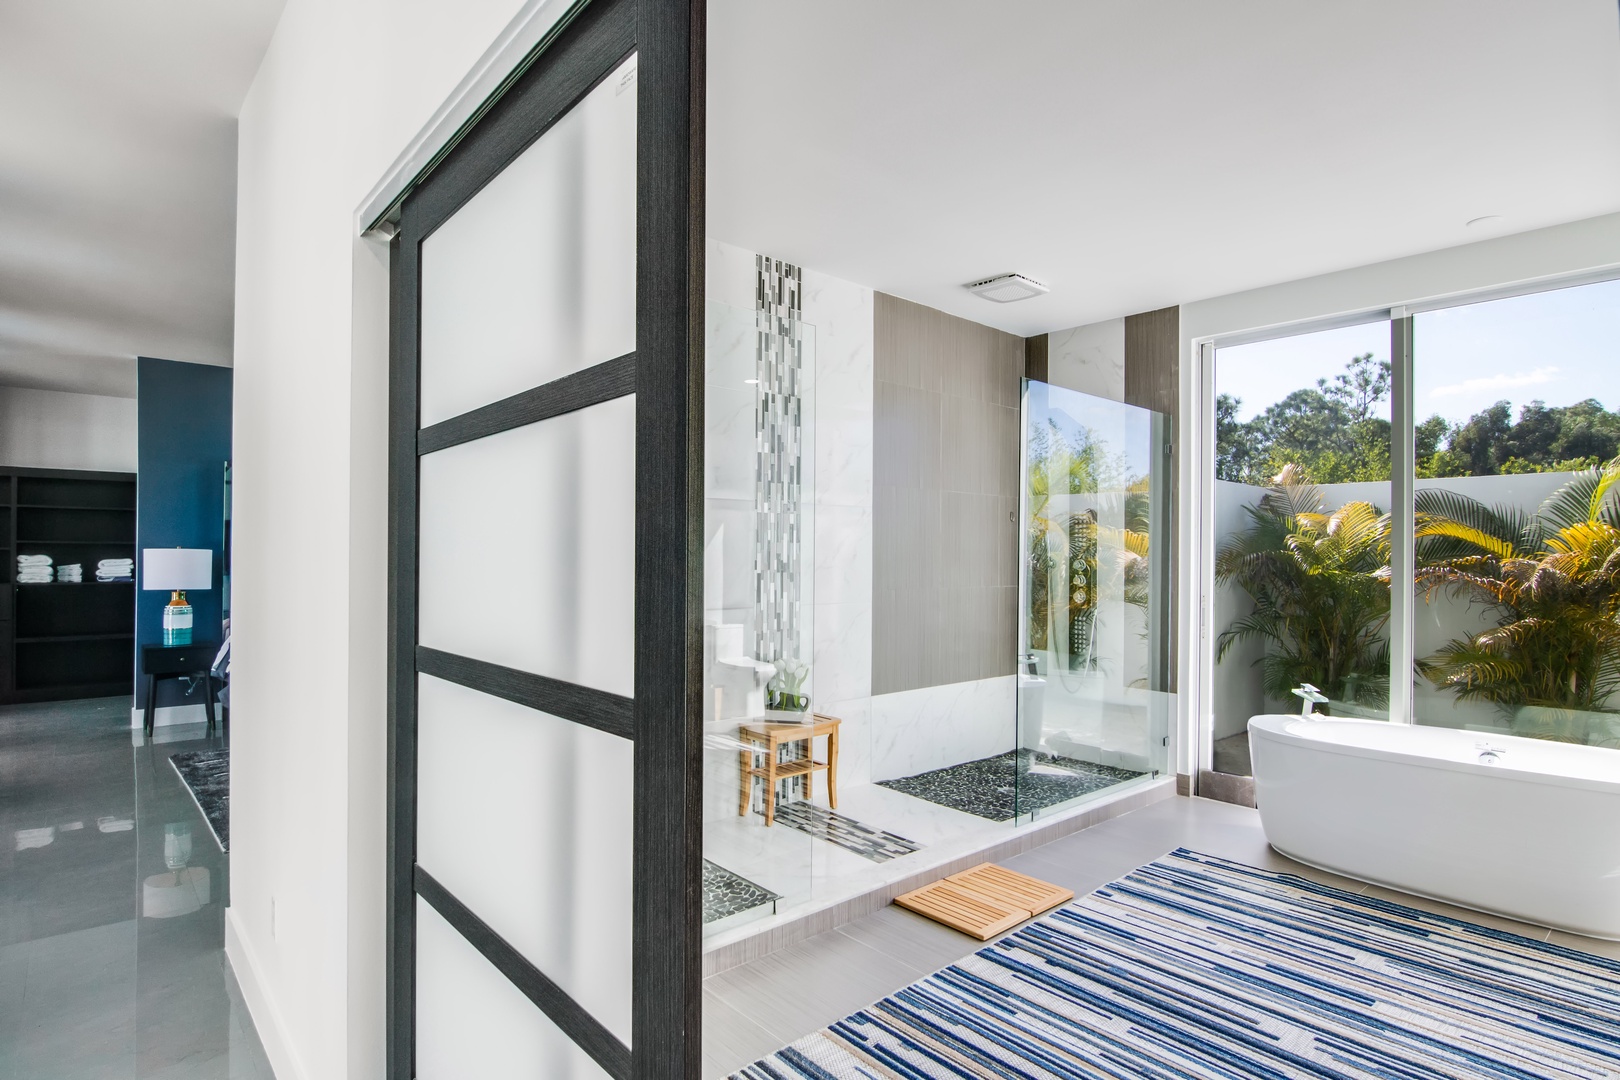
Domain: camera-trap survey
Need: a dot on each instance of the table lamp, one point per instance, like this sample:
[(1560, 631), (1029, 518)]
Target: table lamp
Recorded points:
[(177, 569)]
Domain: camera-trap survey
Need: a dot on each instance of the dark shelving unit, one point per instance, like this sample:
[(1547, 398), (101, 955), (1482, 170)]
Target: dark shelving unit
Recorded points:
[(60, 640)]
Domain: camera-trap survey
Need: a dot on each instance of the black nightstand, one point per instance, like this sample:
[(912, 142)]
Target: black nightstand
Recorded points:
[(175, 662)]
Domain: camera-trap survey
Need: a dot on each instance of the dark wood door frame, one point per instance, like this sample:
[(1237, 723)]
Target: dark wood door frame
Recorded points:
[(664, 716)]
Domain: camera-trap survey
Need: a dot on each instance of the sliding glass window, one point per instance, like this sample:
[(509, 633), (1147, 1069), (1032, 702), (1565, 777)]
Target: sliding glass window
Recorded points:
[(1301, 506), (1516, 628), (1514, 460)]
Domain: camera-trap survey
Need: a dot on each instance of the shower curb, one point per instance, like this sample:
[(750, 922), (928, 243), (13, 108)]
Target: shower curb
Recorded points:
[(736, 953)]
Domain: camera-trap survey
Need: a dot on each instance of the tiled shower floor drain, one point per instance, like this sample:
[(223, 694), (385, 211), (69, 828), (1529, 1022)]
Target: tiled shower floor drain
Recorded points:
[(1001, 787)]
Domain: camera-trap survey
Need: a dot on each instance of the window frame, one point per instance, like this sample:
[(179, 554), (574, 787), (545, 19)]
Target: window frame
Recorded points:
[(1402, 484)]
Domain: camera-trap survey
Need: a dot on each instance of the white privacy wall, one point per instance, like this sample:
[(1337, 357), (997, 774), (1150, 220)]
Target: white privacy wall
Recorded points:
[(53, 429), (345, 86), (1523, 259)]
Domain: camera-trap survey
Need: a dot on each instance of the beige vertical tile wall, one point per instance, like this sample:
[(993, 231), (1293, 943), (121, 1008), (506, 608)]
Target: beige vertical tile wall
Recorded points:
[(945, 496)]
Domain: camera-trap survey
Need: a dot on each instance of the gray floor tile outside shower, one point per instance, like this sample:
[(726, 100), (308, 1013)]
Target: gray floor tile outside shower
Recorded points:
[(91, 987)]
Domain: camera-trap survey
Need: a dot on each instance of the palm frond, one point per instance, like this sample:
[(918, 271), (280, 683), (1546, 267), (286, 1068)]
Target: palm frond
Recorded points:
[(1505, 526), (1582, 499)]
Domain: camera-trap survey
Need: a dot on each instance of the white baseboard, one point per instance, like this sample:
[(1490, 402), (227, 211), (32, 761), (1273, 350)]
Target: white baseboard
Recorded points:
[(170, 715), (267, 1019)]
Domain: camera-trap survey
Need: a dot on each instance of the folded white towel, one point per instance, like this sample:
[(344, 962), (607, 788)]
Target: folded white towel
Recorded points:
[(116, 564), (33, 578), (33, 560)]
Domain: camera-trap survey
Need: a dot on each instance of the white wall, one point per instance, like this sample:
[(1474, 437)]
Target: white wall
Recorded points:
[(1524, 259), (344, 88), (52, 429)]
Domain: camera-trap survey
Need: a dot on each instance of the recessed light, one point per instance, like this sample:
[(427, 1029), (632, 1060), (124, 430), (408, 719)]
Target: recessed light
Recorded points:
[(1484, 219), (750, 382), (1005, 288)]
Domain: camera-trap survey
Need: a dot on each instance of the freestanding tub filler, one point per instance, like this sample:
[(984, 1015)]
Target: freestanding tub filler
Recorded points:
[(1520, 827)]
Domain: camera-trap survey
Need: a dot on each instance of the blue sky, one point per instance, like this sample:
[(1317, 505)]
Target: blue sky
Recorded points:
[(1560, 347)]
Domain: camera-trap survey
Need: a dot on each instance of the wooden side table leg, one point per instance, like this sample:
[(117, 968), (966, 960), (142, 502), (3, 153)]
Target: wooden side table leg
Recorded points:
[(770, 784), (745, 779), (810, 774), (832, 767)]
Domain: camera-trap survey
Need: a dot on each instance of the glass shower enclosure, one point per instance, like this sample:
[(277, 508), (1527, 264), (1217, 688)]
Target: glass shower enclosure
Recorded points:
[(1095, 665)]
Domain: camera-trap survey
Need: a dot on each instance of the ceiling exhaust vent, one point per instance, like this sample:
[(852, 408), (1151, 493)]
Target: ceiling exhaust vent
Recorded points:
[(1006, 288)]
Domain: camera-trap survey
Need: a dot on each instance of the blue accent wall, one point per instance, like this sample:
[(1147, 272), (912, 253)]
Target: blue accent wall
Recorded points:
[(184, 441)]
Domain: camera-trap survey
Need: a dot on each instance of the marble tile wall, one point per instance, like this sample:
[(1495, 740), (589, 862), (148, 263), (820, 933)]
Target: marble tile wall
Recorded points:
[(729, 519), (842, 316), (914, 731), (837, 583), (1089, 358)]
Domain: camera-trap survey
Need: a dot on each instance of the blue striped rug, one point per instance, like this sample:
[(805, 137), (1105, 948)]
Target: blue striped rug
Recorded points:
[(1194, 966)]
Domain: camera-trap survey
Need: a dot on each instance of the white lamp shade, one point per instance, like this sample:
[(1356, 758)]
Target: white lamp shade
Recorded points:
[(169, 569)]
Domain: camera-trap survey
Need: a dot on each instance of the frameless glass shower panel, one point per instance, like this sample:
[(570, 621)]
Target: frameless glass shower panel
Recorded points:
[(759, 672), (1094, 669)]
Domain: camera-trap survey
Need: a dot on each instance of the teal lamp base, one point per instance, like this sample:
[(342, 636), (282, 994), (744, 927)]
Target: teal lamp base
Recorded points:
[(177, 620)]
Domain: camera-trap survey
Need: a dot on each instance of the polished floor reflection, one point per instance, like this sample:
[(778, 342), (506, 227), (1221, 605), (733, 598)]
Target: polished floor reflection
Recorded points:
[(112, 900)]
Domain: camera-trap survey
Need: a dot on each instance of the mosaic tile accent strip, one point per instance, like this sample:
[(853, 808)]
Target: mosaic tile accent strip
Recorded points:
[(1204, 969), (727, 893), (999, 787), (846, 832), (778, 461), (207, 775)]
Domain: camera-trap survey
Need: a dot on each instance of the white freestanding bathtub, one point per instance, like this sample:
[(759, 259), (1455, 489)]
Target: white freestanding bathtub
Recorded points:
[(1520, 827)]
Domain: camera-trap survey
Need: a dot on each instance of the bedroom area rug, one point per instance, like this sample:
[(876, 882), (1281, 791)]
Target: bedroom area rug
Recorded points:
[(1198, 967)]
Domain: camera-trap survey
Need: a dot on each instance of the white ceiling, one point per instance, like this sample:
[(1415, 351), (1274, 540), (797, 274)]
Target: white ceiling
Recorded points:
[(1128, 153), (1137, 153), (118, 183)]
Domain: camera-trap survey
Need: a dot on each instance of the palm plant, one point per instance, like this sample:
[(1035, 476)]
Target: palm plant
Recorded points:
[(1554, 578), (1066, 579), (1320, 585)]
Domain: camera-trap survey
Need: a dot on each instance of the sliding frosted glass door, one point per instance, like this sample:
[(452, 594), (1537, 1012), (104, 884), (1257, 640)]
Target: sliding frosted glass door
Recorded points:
[(544, 855)]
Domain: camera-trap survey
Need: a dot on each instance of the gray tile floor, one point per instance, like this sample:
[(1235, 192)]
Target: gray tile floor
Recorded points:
[(753, 1010), (93, 983)]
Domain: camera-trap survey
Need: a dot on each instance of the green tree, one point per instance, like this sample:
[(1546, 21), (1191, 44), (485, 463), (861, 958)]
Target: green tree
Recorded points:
[(1560, 438), (1332, 432), (1429, 438)]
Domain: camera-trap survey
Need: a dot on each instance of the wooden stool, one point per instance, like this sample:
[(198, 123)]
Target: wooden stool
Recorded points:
[(766, 738)]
